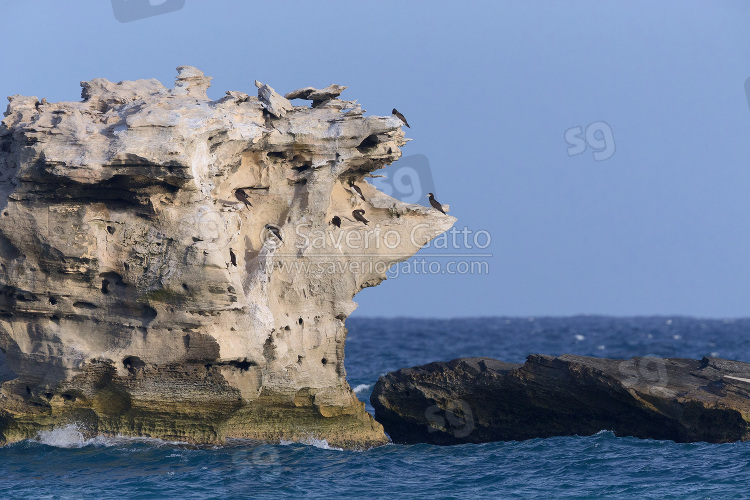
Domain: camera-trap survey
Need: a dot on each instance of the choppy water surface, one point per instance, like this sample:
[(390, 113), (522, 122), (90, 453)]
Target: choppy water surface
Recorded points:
[(61, 464)]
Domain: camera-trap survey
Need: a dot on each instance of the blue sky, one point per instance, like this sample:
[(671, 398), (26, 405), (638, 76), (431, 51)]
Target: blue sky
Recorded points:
[(489, 88)]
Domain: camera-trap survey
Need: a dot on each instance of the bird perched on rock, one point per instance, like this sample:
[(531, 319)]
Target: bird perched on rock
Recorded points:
[(275, 231), (232, 258), (400, 116), (359, 215), (336, 221), (435, 204), (356, 188), (242, 196)]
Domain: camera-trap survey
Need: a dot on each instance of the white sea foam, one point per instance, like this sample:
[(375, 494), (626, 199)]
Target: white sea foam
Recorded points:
[(362, 387), (71, 436), (63, 437), (580, 337), (311, 441)]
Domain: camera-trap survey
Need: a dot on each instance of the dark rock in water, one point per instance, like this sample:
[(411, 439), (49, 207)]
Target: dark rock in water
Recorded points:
[(476, 400)]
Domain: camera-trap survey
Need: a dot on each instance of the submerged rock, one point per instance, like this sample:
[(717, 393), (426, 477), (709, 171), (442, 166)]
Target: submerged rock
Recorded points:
[(475, 400), (167, 266)]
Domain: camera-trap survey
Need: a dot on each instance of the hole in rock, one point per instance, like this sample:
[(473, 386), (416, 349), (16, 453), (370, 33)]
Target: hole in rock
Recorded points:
[(185, 287), (28, 390), (110, 230), (53, 300), (302, 168), (279, 155), (68, 397), (324, 361), (148, 313), (105, 287), (243, 365), (26, 297), (300, 321), (84, 305), (112, 278), (369, 143), (132, 363), (48, 395)]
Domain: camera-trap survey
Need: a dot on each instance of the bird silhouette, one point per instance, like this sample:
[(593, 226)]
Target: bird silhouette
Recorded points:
[(359, 191), (232, 257), (400, 116), (242, 196), (336, 221), (275, 231), (358, 214), (435, 204)]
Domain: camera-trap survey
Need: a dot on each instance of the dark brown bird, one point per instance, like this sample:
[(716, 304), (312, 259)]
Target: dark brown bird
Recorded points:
[(359, 191), (400, 116), (435, 204), (242, 196), (275, 231), (232, 257), (336, 221), (358, 214)]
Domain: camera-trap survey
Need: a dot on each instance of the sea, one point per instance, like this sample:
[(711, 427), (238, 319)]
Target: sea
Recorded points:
[(62, 464)]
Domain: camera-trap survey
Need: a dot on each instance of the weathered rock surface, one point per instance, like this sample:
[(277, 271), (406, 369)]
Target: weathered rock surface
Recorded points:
[(140, 291), (474, 400), (317, 96)]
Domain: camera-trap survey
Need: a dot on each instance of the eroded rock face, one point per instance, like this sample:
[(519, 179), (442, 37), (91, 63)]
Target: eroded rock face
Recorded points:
[(475, 400), (142, 292)]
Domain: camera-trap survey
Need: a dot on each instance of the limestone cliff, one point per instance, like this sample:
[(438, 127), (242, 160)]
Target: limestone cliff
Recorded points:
[(168, 265)]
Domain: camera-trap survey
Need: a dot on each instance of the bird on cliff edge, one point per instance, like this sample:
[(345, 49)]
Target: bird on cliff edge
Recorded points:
[(358, 214), (274, 230), (400, 116), (336, 221), (242, 196), (356, 188), (435, 204)]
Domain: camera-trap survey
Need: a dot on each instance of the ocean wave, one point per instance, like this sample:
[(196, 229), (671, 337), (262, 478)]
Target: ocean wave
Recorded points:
[(311, 441), (362, 387), (71, 436)]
